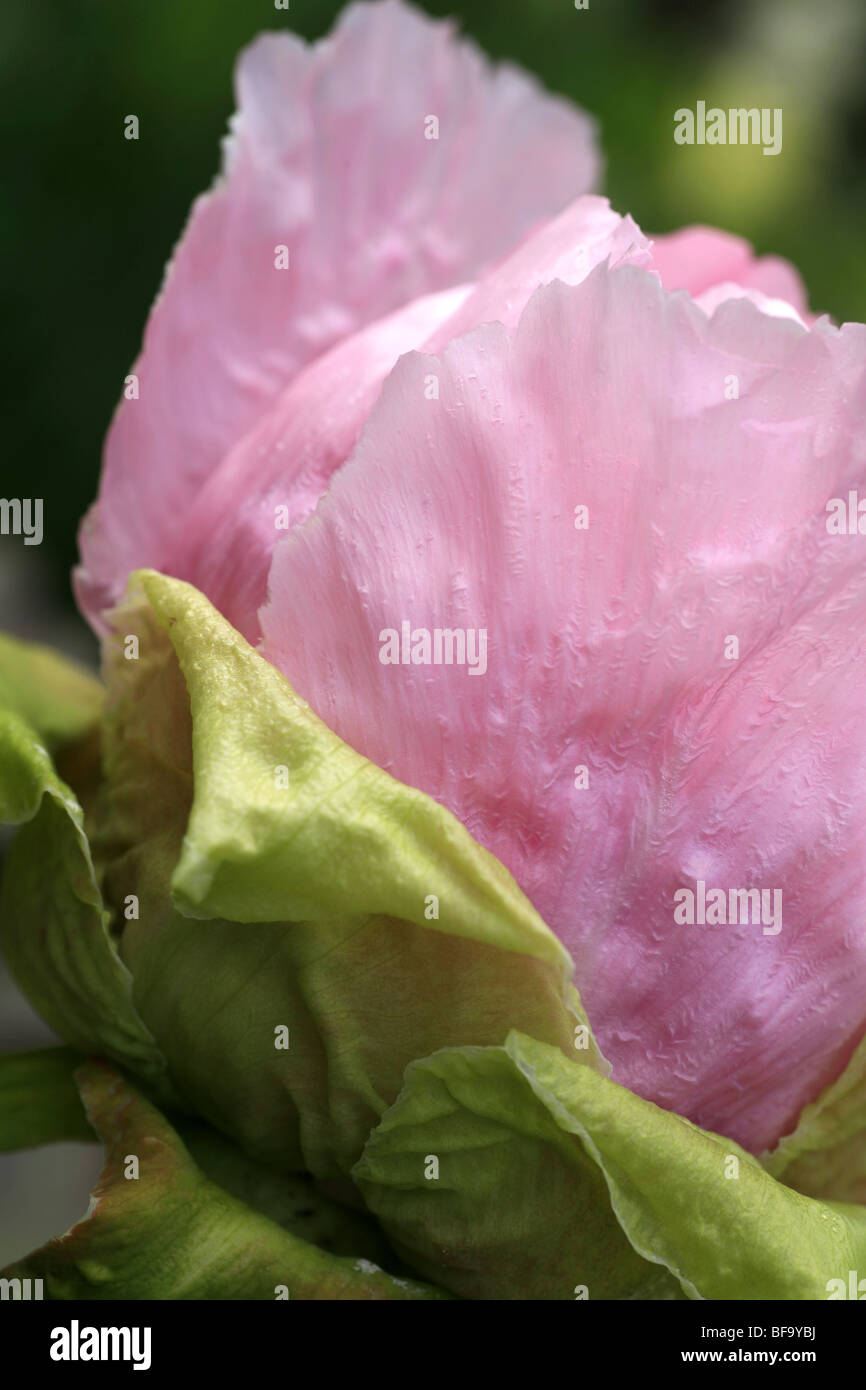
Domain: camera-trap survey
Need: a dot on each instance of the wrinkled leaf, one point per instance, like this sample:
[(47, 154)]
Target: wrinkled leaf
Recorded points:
[(58, 699), (39, 1101), (53, 925), (527, 1142), (171, 1233), (237, 796)]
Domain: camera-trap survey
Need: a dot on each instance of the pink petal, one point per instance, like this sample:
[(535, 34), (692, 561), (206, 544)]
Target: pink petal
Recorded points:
[(710, 300), (606, 649), (328, 157), (566, 248), (287, 460), (698, 258), (289, 457)]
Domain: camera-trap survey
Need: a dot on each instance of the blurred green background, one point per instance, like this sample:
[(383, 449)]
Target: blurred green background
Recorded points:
[(88, 218)]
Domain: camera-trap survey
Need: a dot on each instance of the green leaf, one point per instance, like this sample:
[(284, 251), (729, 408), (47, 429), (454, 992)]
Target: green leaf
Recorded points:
[(292, 1200), (317, 884), (342, 836), (527, 1142), (53, 926), (170, 1233), (825, 1156), (473, 1177), (39, 1101), (40, 1104), (58, 699)]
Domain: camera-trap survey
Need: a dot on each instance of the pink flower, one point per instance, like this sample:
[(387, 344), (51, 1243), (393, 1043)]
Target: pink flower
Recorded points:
[(381, 225), (474, 411)]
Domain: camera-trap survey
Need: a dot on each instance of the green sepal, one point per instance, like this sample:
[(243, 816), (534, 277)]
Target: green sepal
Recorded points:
[(224, 794), (825, 1156), (39, 1101), (40, 1104), (157, 1228), (54, 928), (57, 698), (527, 1142)]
